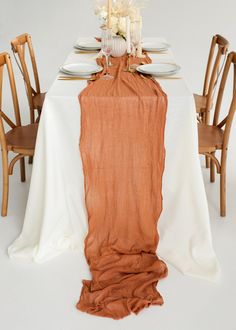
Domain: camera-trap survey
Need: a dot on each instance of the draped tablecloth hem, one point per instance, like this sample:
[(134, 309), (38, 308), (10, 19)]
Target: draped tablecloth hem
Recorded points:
[(208, 270), (33, 253)]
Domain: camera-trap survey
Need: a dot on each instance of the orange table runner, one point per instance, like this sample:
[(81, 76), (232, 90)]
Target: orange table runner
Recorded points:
[(122, 149)]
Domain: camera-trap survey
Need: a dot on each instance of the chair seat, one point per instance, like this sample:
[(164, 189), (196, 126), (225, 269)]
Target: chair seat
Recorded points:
[(210, 138), (22, 139), (200, 102), (38, 100)]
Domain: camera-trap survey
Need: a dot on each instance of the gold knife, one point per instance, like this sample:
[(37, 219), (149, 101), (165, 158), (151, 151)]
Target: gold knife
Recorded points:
[(75, 78), (84, 52)]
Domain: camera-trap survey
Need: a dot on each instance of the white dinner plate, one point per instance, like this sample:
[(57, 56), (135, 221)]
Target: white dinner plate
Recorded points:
[(81, 69), (88, 45), (159, 69), (155, 46)]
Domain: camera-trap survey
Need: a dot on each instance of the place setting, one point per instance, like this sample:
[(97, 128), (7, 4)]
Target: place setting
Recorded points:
[(84, 70), (155, 47), (88, 46), (120, 37), (159, 70), (79, 71)]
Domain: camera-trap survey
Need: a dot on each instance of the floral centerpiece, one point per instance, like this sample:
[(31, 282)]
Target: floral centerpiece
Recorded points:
[(123, 18), (120, 10)]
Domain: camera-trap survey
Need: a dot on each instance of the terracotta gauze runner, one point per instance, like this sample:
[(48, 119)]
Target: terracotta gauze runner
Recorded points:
[(122, 148)]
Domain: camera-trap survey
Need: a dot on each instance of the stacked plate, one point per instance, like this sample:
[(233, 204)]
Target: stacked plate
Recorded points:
[(155, 46), (159, 69), (88, 45), (81, 69)]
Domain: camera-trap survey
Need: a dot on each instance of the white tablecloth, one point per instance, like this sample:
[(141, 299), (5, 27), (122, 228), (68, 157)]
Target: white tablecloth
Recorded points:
[(55, 218)]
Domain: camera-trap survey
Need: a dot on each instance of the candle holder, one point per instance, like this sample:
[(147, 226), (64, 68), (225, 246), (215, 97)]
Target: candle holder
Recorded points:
[(128, 68)]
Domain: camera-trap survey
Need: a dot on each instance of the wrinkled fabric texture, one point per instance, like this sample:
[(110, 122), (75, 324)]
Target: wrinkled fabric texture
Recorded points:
[(122, 149)]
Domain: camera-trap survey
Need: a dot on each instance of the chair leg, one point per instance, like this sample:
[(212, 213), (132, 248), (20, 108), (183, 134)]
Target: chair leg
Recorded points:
[(5, 190), (208, 163), (22, 169), (223, 194), (206, 120), (32, 117), (32, 121), (212, 171), (39, 115), (37, 121)]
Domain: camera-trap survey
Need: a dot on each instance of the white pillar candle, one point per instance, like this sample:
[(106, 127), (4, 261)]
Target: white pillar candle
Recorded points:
[(140, 51), (137, 14), (109, 9), (128, 35)]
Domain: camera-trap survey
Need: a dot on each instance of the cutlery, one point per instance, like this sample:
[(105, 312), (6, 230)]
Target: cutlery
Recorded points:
[(147, 77), (85, 52), (159, 78), (76, 78)]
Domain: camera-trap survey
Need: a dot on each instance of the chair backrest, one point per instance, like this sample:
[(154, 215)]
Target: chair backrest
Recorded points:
[(5, 62), (226, 123), (219, 49), (20, 45)]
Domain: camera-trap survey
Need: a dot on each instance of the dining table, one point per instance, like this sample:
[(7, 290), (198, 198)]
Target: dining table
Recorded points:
[(56, 216)]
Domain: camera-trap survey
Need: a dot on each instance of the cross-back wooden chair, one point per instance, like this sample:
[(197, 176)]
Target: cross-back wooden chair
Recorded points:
[(216, 136), (219, 48), (204, 103), (35, 98), (19, 139)]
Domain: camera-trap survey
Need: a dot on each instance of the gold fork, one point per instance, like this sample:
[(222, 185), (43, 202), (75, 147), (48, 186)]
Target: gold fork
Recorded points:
[(162, 78), (76, 78), (85, 52)]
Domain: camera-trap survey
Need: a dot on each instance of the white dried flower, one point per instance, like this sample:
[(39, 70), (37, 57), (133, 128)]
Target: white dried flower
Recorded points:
[(114, 24), (120, 10), (122, 25)]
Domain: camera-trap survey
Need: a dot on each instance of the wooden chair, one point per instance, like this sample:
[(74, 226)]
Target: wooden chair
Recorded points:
[(216, 136), (19, 139), (204, 102), (35, 97)]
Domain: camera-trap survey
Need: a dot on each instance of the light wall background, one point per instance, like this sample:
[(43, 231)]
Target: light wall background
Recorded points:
[(55, 24)]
